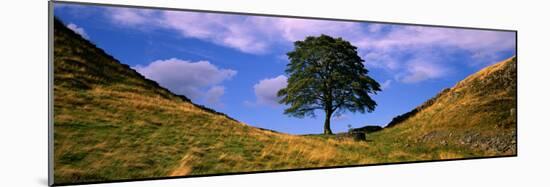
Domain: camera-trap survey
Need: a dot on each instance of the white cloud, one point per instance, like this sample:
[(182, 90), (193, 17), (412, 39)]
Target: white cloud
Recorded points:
[(247, 34), (340, 117), (78, 30), (297, 29), (131, 16), (226, 30), (423, 37), (196, 80), (414, 40), (386, 84), (419, 70), (266, 90), (381, 59)]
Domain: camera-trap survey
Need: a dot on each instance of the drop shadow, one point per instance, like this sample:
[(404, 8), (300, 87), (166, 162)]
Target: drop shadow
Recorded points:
[(42, 181)]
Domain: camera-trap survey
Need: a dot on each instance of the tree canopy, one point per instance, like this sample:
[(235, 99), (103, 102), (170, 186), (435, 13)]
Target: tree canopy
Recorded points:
[(327, 74)]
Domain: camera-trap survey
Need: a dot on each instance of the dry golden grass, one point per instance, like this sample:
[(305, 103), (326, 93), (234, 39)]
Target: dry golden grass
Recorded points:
[(449, 155), (474, 115), (213, 146)]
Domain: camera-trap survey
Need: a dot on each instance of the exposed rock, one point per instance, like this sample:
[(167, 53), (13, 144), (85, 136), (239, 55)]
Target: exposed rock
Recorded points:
[(359, 136)]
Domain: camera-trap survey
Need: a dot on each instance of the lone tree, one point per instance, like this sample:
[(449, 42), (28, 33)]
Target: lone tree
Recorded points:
[(326, 73)]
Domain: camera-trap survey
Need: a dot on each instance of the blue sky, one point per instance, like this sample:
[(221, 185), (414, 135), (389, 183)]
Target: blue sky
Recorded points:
[(235, 63)]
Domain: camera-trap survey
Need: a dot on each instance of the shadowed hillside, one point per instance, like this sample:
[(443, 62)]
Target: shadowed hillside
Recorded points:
[(478, 112), (111, 123)]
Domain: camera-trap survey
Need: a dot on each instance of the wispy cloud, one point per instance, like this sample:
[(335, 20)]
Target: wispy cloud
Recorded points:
[(418, 53), (132, 16), (397, 49), (255, 35), (340, 117), (386, 84), (421, 69), (196, 80), (231, 30), (78, 30)]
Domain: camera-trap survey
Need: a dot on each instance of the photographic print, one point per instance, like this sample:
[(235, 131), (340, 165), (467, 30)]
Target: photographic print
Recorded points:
[(149, 93)]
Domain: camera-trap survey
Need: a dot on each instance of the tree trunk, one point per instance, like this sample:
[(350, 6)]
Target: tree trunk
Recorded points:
[(327, 123)]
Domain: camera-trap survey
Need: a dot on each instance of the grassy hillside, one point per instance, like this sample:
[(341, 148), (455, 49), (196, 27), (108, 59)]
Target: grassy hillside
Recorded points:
[(478, 113), (111, 123)]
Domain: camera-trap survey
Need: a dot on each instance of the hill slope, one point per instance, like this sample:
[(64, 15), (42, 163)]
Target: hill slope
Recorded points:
[(478, 112)]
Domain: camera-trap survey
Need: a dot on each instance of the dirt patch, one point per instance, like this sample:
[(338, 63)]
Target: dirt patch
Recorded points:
[(184, 168)]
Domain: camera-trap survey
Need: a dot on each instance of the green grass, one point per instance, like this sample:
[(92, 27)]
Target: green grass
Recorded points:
[(111, 123)]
